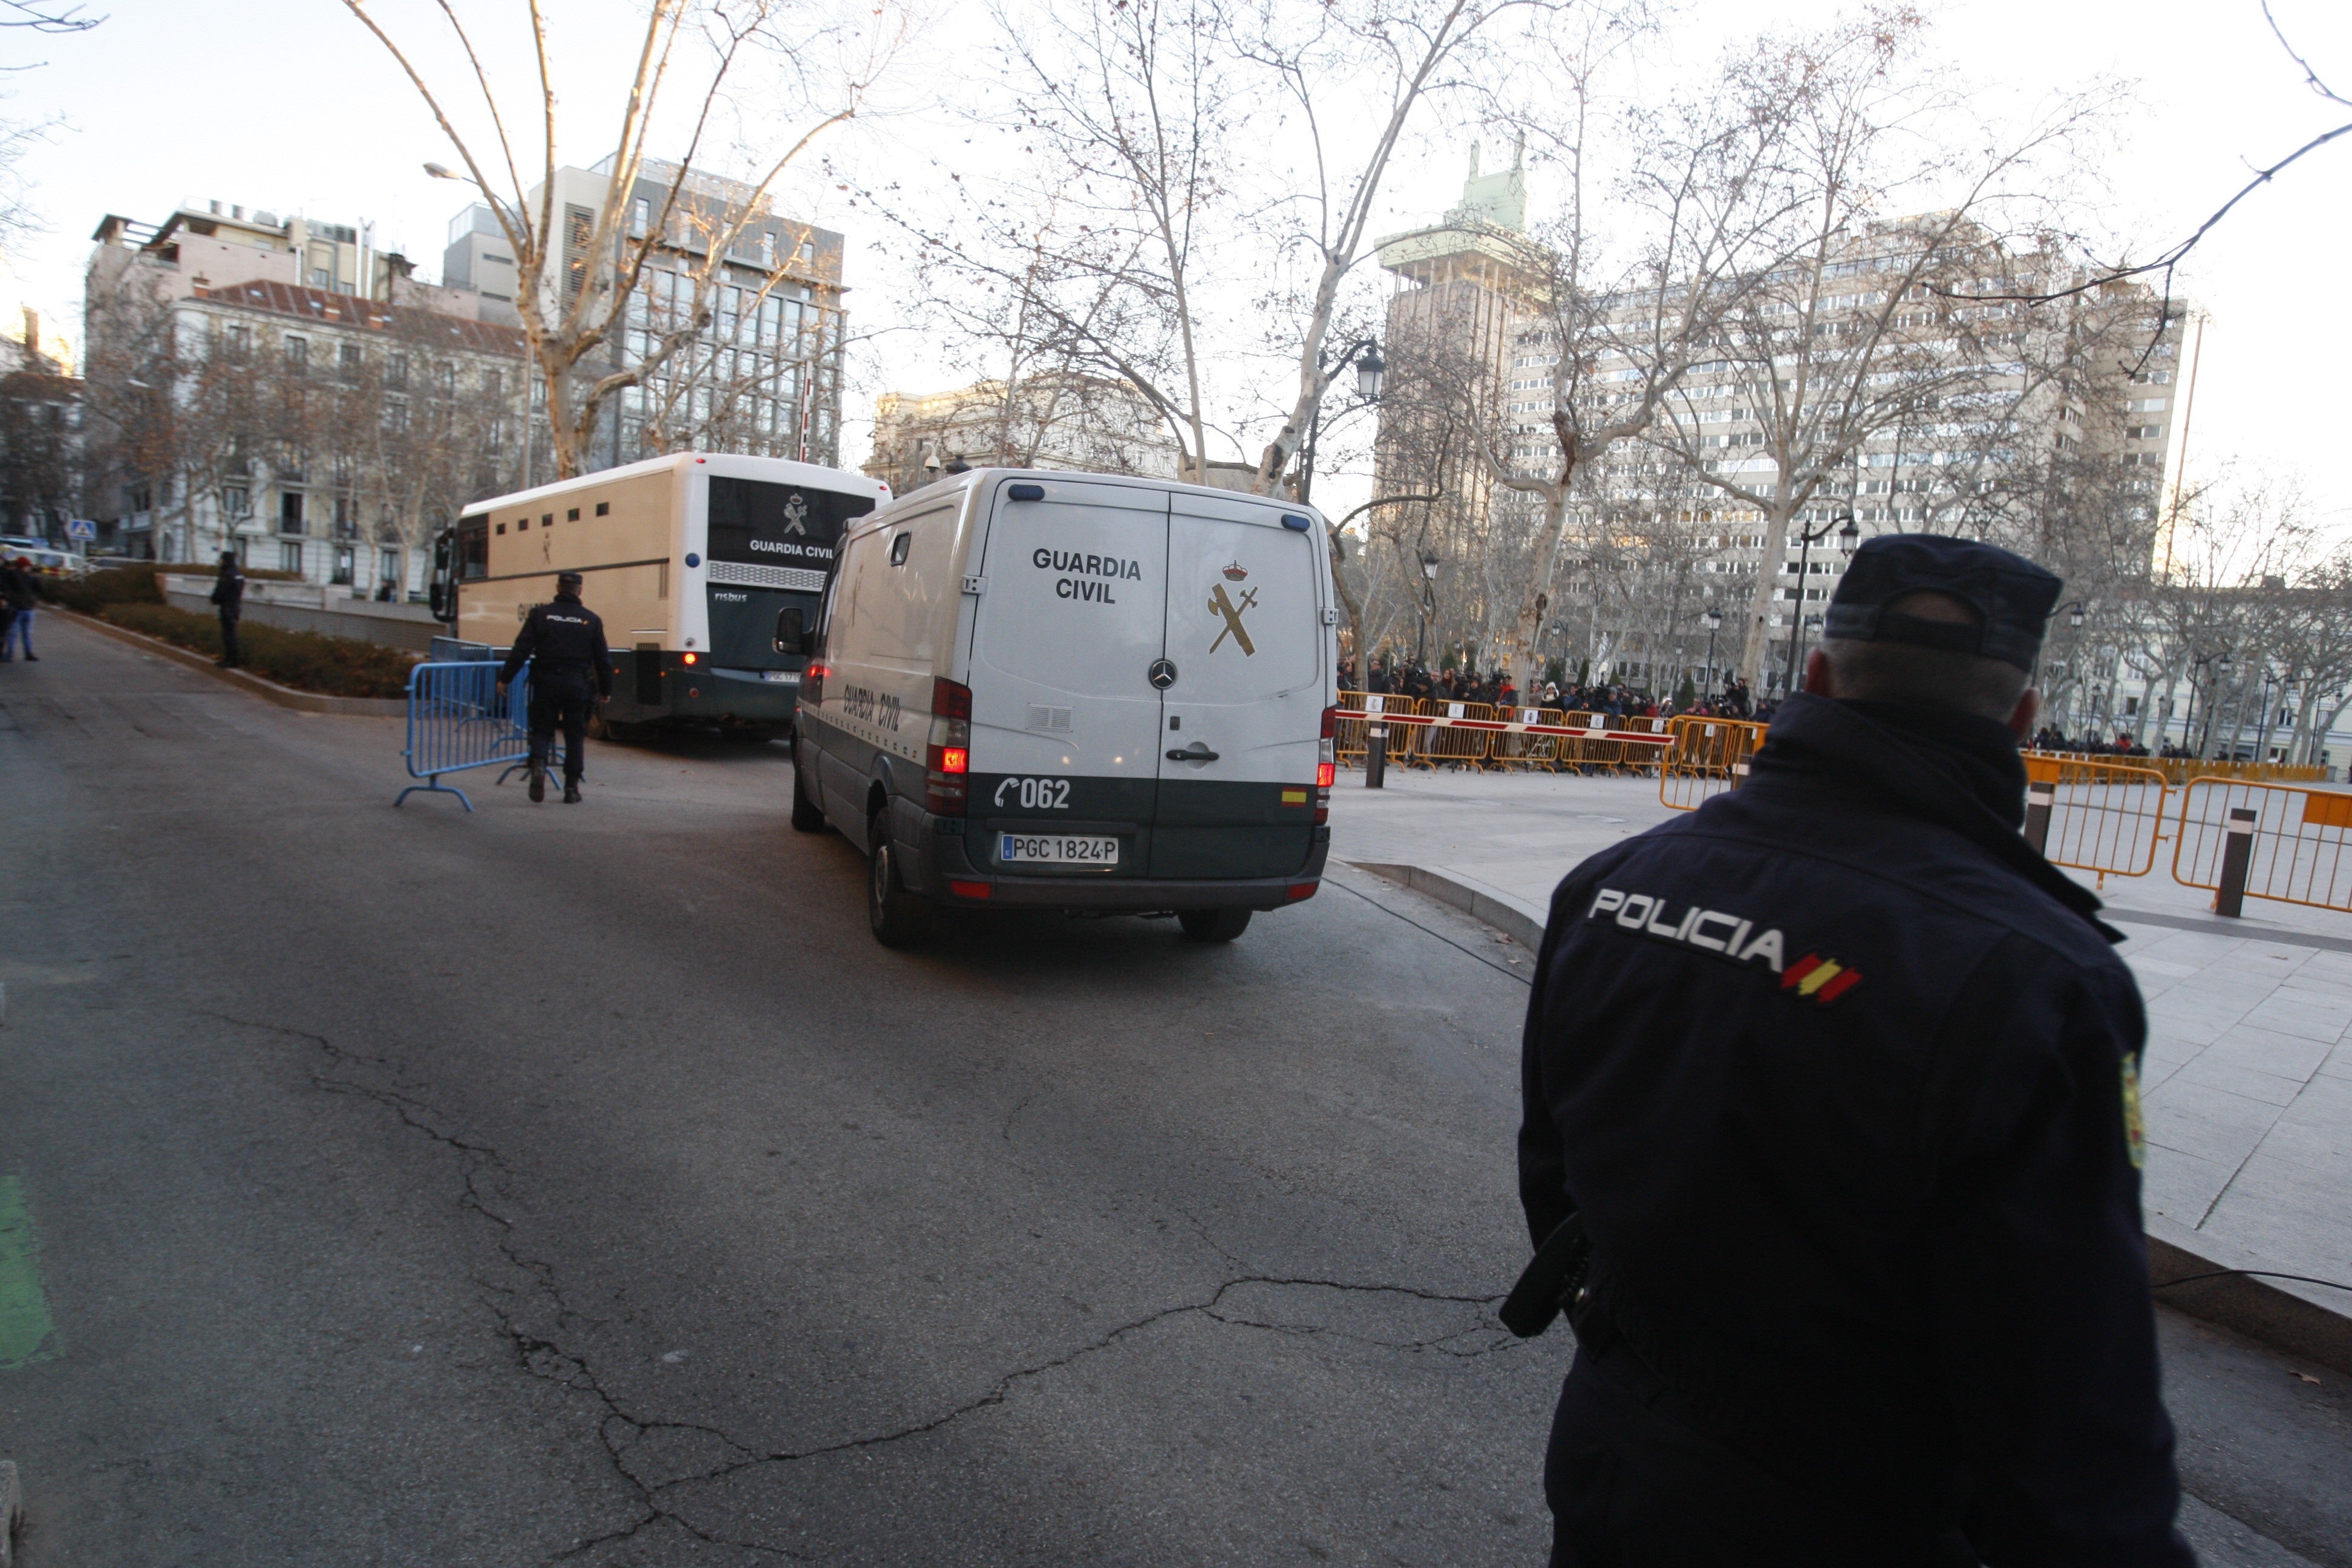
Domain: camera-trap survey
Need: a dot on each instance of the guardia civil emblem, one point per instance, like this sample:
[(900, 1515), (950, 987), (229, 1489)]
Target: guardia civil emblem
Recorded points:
[(796, 514), (1223, 605)]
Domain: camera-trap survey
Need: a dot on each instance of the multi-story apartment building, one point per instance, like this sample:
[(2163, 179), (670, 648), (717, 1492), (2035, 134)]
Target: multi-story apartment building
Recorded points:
[(286, 390), (2010, 419), (286, 387), (1050, 421), (763, 374)]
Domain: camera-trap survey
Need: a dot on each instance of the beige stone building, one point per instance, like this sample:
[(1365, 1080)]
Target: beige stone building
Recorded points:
[(1067, 421)]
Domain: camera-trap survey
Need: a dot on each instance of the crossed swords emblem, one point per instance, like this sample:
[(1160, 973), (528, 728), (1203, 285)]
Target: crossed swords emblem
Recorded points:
[(1221, 606)]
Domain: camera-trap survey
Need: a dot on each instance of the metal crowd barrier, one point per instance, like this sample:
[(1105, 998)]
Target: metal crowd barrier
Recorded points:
[(2290, 845), (1427, 733), (458, 720), (1708, 757), (2178, 771), (2095, 814)]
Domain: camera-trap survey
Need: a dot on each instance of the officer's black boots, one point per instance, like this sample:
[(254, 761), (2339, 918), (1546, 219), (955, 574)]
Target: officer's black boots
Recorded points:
[(571, 795), (538, 783)]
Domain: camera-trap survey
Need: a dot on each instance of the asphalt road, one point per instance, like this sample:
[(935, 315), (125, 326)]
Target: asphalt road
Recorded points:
[(584, 1184)]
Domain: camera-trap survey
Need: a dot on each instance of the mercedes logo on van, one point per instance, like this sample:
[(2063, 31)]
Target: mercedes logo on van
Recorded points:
[(1163, 674)]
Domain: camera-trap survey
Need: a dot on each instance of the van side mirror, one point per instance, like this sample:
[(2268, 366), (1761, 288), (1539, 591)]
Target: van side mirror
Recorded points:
[(794, 633)]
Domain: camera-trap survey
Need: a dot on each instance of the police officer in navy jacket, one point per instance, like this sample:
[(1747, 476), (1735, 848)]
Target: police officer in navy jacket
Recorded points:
[(1841, 1078), (565, 640)]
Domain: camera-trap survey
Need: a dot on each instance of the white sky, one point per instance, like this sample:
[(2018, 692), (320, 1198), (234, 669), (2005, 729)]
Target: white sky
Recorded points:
[(291, 107)]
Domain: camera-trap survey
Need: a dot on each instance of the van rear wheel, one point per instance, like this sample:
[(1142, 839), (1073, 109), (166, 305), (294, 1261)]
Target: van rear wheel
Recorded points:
[(1212, 925), (806, 816), (899, 918)]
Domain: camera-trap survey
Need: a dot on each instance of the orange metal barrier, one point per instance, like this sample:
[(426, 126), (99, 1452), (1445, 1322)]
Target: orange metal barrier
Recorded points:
[(2104, 815), (2178, 770), (1425, 732), (2302, 841), (1521, 749), (1708, 757), (1454, 745)]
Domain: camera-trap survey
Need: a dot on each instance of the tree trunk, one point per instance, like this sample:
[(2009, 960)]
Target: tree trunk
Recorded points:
[(1768, 593)]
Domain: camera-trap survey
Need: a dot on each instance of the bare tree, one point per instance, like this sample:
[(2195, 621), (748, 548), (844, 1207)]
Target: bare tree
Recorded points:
[(576, 279), (1844, 336)]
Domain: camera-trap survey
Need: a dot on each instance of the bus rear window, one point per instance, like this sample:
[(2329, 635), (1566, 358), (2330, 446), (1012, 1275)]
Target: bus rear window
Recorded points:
[(779, 525)]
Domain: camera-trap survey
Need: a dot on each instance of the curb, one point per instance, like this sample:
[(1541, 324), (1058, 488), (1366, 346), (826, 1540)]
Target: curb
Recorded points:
[(269, 691), (2297, 1319), (1480, 903)]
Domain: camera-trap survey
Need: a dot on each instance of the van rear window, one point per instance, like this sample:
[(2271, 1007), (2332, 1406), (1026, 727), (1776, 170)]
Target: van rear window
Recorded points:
[(779, 525)]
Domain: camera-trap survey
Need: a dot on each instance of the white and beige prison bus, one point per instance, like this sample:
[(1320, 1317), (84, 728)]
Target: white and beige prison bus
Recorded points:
[(705, 567)]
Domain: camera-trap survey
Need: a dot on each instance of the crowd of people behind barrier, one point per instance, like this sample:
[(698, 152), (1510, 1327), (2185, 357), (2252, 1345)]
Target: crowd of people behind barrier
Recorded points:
[(1496, 689)]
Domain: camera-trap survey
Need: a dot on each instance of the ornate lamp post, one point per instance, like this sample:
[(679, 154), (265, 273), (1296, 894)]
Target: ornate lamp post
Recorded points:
[(1849, 538), (1713, 621), (1428, 606), (1372, 371)]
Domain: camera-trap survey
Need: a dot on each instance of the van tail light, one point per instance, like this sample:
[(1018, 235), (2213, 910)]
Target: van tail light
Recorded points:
[(947, 758), (1327, 765), (812, 683)]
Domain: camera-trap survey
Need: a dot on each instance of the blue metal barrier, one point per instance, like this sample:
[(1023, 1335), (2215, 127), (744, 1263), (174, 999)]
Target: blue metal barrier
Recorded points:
[(457, 720)]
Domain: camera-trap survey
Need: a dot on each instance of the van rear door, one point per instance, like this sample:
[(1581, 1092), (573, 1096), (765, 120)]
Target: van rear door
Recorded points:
[(1064, 771), (1243, 716)]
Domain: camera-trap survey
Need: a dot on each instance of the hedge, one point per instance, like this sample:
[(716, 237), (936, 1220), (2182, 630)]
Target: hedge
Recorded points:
[(307, 661), (134, 583)]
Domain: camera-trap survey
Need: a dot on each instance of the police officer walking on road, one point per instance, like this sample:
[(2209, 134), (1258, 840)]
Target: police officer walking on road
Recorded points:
[(1831, 1116), (566, 643)]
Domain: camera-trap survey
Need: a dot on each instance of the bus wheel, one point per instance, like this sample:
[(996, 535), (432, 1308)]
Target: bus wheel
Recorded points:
[(806, 818), (898, 918), (1212, 925)]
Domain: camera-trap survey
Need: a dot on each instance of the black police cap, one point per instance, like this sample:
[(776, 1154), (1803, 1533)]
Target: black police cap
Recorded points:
[(568, 580), (2011, 594)]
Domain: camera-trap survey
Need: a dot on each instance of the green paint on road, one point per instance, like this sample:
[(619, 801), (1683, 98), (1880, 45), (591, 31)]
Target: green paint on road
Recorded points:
[(24, 1326)]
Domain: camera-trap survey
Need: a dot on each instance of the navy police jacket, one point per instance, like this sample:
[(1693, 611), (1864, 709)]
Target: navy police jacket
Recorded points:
[(1842, 1076), (567, 637)]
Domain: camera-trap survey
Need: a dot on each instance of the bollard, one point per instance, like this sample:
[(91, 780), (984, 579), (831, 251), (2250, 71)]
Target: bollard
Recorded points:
[(2237, 858), (1376, 756), (2039, 799)]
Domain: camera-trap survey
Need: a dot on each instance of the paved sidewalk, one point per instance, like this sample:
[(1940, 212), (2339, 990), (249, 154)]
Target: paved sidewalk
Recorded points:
[(2248, 1083)]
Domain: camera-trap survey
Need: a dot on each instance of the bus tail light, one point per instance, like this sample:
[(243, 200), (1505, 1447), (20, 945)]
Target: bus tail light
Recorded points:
[(947, 758)]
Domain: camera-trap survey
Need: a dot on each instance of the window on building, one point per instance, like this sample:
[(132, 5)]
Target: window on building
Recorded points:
[(236, 501), (641, 216), (347, 359), (395, 414), (240, 339), (343, 565), (298, 356), (395, 369), (346, 518), (387, 569), (289, 556), (289, 511)]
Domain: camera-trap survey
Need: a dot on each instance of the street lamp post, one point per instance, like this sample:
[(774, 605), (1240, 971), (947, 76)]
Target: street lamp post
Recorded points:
[(1849, 539), (1428, 607), (1370, 371), (1713, 621)]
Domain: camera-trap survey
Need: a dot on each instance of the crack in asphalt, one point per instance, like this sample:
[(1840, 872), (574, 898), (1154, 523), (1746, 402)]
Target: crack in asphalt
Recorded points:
[(618, 1431)]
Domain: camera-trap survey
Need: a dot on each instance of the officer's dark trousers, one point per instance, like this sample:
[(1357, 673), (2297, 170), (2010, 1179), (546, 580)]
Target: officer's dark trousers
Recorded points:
[(559, 697), (1632, 1486), (228, 643)]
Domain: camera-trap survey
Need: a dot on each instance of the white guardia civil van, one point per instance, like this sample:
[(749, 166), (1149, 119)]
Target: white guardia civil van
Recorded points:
[(1074, 691)]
